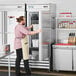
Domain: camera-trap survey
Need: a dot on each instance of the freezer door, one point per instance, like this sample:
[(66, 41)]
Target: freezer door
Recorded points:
[(1, 30)]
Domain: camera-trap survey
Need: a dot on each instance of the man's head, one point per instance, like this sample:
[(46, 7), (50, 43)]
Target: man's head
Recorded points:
[(21, 20)]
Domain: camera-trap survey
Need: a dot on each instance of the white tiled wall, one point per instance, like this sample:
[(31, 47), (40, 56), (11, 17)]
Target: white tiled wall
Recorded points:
[(66, 5), (62, 5)]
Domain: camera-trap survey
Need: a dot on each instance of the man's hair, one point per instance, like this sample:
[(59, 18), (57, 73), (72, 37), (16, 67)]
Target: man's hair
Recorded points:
[(19, 19)]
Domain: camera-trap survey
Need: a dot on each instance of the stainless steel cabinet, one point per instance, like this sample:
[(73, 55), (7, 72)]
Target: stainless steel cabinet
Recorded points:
[(62, 59), (74, 59)]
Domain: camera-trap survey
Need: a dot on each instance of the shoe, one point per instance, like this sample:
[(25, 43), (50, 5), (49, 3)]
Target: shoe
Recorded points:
[(28, 74), (19, 74)]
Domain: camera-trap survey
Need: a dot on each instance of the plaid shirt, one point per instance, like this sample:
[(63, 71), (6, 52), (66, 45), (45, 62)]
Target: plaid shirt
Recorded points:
[(20, 32)]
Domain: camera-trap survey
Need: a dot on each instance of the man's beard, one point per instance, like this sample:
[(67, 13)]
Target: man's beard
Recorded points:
[(23, 23)]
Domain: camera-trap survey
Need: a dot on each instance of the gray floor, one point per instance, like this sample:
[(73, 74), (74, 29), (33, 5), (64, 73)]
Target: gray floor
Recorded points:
[(41, 71), (13, 74)]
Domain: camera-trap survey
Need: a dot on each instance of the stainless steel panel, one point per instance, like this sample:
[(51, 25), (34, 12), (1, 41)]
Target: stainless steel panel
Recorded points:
[(62, 59)]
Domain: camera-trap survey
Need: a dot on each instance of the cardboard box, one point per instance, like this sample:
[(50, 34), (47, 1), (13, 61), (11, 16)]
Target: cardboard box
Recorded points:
[(72, 40)]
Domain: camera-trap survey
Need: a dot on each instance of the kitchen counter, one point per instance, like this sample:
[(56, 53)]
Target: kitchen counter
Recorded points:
[(64, 46), (64, 57)]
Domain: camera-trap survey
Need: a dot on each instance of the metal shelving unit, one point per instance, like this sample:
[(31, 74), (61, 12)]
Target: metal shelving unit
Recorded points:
[(65, 29), (63, 54)]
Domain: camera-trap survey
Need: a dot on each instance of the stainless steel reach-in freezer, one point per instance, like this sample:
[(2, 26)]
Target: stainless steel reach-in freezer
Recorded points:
[(41, 16)]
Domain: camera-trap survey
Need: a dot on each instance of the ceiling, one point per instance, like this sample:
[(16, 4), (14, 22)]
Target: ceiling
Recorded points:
[(25, 1)]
